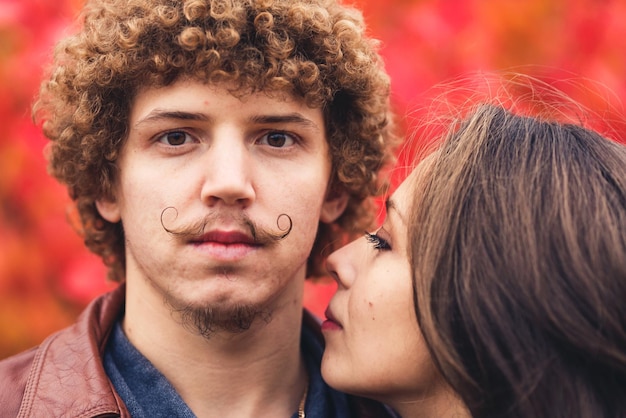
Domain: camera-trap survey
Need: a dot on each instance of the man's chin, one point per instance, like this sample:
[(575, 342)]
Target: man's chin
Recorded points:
[(209, 320)]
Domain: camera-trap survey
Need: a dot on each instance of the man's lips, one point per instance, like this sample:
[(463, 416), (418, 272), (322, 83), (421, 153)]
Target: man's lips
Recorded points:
[(225, 246), (331, 323), (225, 238)]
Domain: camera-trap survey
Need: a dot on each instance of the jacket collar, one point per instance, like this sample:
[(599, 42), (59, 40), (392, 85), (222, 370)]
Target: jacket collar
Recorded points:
[(67, 377)]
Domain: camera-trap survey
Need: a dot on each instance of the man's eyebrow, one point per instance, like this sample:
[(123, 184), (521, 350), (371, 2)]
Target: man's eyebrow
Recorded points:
[(296, 118), (162, 114)]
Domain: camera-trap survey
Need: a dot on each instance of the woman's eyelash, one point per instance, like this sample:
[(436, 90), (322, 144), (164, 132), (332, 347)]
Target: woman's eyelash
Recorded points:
[(378, 242)]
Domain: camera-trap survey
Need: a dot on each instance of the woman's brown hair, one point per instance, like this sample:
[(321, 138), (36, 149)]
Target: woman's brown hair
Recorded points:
[(314, 49), (518, 249)]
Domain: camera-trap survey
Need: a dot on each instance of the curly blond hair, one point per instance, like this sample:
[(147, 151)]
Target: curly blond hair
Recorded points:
[(314, 49)]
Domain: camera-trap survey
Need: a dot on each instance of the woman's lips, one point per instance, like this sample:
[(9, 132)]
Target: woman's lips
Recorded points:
[(330, 324)]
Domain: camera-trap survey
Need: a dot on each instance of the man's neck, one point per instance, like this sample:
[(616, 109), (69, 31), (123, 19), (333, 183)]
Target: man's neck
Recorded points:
[(258, 372)]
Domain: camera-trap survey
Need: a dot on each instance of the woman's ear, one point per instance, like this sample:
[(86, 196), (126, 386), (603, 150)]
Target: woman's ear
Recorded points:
[(333, 206), (108, 209)]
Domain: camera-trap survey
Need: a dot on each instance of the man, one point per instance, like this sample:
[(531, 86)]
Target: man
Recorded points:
[(216, 150)]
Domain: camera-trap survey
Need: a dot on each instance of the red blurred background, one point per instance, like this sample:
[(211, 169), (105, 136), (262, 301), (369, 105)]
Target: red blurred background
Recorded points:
[(47, 277)]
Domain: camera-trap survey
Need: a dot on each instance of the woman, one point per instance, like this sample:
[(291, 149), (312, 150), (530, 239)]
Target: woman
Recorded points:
[(496, 286)]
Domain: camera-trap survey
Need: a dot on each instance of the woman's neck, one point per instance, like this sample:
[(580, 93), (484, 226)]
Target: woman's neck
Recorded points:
[(442, 404)]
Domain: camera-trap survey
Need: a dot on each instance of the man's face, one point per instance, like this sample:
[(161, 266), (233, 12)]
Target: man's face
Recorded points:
[(198, 167)]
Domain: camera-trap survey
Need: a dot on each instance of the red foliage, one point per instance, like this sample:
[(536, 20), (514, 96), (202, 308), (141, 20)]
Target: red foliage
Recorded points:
[(46, 276)]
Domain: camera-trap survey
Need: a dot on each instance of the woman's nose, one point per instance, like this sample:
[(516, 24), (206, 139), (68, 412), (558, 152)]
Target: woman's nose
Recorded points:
[(343, 264)]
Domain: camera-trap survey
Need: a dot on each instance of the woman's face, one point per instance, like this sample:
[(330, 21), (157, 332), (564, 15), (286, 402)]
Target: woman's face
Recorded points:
[(374, 346)]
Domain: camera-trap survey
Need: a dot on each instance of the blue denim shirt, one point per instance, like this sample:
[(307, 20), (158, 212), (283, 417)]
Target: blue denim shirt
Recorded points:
[(147, 393)]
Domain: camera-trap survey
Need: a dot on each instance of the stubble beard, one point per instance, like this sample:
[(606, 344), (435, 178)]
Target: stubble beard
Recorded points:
[(209, 319)]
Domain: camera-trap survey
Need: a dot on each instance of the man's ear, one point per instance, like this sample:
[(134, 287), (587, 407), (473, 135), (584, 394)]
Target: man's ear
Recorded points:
[(108, 209), (333, 206)]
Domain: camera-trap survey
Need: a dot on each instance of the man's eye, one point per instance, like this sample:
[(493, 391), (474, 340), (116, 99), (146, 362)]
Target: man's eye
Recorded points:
[(377, 242), (175, 138), (277, 139)]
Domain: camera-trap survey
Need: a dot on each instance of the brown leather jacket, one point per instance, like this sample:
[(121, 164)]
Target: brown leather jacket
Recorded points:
[(64, 376)]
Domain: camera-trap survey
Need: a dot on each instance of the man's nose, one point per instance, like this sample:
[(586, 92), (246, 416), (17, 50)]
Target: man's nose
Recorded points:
[(229, 170)]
